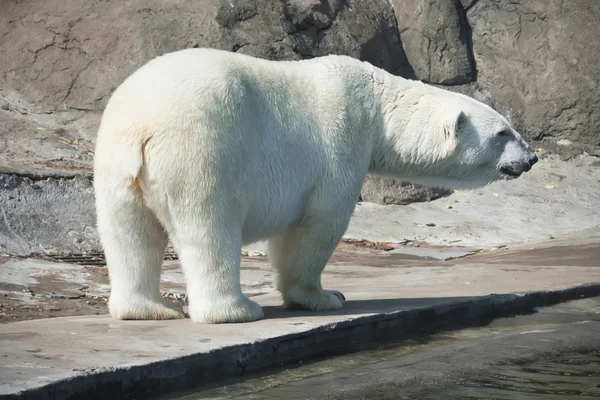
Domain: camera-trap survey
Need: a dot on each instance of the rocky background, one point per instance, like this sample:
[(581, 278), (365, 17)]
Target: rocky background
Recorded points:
[(535, 61)]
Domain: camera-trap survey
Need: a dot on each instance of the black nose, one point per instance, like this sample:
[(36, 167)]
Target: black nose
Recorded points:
[(533, 160)]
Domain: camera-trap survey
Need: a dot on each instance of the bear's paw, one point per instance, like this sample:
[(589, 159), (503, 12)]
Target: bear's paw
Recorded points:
[(145, 309), (229, 310), (315, 300)]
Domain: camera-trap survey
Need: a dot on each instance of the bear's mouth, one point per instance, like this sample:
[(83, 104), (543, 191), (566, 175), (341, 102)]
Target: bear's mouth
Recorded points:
[(510, 172)]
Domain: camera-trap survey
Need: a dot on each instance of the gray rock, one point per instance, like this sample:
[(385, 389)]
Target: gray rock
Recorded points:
[(367, 31), (564, 142), (41, 215), (538, 60), (466, 4), (391, 191), (71, 54), (436, 40), (62, 59)]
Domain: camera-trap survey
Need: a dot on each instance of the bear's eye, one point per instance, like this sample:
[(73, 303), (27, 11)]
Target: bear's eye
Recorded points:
[(504, 132)]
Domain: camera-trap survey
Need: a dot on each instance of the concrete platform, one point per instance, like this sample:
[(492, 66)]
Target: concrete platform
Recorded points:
[(390, 298)]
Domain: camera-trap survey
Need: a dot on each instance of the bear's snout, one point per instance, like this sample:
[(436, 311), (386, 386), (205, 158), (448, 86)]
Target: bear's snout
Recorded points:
[(516, 168), (533, 159)]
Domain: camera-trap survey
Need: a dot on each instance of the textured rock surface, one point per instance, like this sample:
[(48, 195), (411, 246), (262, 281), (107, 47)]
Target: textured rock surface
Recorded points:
[(468, 3), (538, 61), (71, 55), (436, 40), (62, 59), (390, 191), (365, 29), (46, 215), (534, 60)]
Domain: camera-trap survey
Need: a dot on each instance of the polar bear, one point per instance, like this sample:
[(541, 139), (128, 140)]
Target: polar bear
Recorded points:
[(214, 149)]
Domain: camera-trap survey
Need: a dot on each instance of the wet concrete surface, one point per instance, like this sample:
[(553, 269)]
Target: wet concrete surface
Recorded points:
[(552, 354), (391, 297)]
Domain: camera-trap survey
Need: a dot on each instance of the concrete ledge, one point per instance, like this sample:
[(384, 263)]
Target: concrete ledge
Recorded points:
[(247, 347)]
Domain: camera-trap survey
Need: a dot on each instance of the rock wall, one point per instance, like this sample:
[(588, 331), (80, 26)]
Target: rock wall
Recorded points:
[(538, 61), (70, 55), (533, 60), (436, 40)]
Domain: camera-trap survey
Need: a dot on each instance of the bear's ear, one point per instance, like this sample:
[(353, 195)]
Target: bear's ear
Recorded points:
[(454, 124)]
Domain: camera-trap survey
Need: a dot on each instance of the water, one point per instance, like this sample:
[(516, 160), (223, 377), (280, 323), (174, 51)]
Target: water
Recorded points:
[(552, 354), (572, 376)]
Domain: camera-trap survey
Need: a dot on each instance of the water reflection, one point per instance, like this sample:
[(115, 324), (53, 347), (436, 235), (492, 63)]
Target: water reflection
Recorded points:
[(572, 377)]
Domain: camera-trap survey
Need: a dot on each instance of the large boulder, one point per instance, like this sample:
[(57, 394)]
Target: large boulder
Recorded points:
[(537, 61), (394, 191), (436, 40)]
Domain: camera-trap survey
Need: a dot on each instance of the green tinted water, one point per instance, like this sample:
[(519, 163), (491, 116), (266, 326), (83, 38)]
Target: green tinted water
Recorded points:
[(567, 376), (576, 376)]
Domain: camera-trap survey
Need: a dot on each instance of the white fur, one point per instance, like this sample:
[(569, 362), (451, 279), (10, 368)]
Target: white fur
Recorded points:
[(216, 149)]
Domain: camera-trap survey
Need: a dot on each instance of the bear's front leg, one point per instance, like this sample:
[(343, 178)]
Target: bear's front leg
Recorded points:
[(212, 271), (301, 254)]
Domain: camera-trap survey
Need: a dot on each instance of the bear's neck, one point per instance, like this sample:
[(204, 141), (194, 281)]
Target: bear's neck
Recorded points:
[(396, 151)]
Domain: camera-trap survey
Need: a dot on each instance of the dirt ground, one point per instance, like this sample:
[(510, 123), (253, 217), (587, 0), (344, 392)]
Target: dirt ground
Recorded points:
[(47, 300)]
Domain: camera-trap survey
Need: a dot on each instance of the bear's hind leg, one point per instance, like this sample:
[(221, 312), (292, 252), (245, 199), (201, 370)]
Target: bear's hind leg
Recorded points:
[(209, 247), (300, 255), (134, 242)]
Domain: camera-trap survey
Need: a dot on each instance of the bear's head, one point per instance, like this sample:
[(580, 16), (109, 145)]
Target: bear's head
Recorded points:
[(451, 140)]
